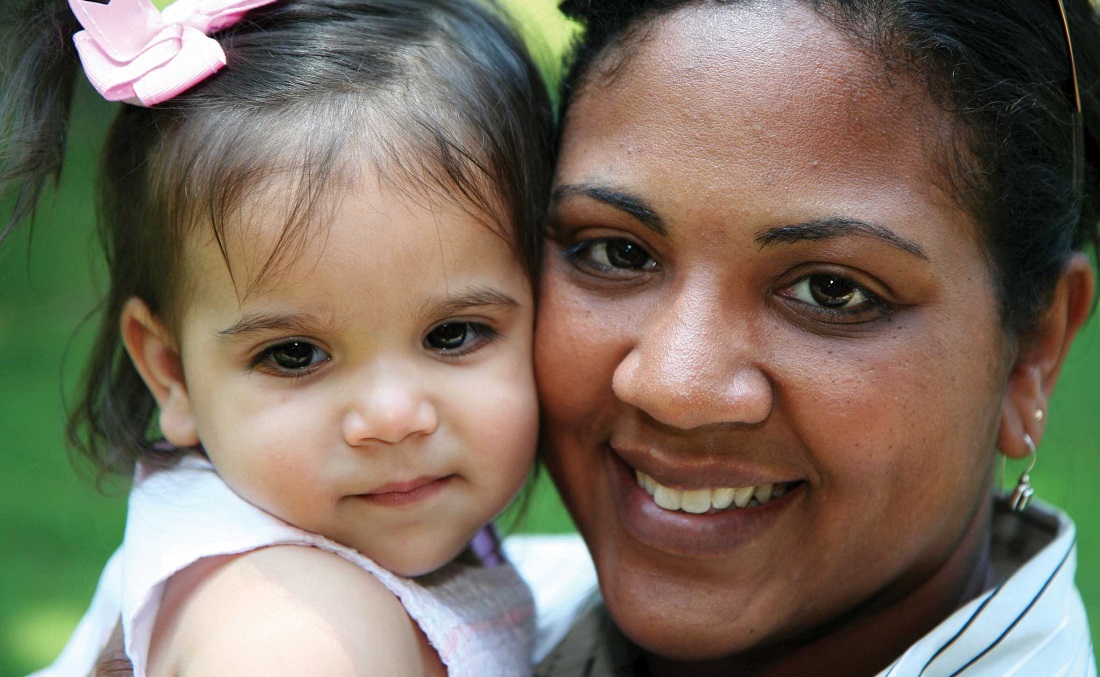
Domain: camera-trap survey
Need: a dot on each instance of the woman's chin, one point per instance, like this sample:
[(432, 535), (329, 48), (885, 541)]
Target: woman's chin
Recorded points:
[(683, 622), (687, 645)]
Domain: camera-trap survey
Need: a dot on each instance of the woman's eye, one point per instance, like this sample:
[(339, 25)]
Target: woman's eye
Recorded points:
[(835, 295), (830, 291), (613, 254), (292, 357), (456, 338)]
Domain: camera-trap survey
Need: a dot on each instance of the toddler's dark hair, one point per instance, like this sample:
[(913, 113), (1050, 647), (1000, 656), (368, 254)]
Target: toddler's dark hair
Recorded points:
[(439, 95), (1000, 69)]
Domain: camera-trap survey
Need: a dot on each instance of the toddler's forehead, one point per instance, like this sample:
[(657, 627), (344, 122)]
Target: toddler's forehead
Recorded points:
[(286, 229)]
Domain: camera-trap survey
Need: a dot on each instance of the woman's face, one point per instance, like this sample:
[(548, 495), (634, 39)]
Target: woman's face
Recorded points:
[(756, 283)]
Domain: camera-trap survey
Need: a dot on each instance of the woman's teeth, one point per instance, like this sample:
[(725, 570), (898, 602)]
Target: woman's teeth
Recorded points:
[(699, 501)]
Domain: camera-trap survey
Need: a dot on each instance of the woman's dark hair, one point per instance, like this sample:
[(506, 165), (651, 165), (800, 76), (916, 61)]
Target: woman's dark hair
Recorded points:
[(1001, 68), (439, 93)]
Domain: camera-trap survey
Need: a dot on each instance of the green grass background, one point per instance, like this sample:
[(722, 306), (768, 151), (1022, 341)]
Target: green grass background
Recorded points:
[(56, 531)]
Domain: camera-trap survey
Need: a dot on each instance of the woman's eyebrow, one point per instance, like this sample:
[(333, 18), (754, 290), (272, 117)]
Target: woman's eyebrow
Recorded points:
[(624, 202), (837, 226)]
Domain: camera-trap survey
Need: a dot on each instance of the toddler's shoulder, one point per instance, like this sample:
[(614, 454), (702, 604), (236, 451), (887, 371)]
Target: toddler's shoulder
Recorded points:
[(282, 610)]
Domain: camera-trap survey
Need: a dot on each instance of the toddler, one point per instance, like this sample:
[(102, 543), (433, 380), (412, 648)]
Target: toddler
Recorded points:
[(321, 221)]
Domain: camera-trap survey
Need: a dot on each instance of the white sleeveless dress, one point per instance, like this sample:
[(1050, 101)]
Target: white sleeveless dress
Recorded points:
[(480, 620)]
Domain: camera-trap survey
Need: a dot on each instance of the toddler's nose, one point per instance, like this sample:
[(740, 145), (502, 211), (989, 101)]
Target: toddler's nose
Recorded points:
[(389, 410)]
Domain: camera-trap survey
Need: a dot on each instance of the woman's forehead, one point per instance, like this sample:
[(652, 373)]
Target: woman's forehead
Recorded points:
[(721, 72), (721, 98)]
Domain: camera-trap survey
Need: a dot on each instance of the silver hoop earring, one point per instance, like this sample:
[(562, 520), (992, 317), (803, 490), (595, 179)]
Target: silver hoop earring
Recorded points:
[(1022, 493)]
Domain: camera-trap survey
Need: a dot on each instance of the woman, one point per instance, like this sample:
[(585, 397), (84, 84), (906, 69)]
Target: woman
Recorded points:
[(813, 269)]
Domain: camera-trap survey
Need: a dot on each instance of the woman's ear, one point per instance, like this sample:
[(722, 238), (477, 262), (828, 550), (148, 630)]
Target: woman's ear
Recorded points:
[(1040, 358), (155, 356)]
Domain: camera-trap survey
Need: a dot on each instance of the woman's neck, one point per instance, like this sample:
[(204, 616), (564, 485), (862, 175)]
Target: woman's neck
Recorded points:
[(870, 637)]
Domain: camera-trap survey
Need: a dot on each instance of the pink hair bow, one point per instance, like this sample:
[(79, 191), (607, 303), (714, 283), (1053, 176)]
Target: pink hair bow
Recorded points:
[(133, 53)]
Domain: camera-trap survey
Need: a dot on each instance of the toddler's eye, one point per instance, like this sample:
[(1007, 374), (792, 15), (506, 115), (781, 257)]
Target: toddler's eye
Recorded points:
[(292, 357), (618, 254), (450, 336), (453, 338)]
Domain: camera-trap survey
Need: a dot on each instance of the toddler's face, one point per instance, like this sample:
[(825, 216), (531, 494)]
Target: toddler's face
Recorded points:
[(379, 390)]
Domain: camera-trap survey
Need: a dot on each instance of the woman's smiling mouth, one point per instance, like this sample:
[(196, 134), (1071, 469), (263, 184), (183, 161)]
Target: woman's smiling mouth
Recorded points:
[(675, 521), (700, 501)]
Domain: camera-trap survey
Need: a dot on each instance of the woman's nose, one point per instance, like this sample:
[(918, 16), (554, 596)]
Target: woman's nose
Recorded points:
[(691, 366), (388, 408)]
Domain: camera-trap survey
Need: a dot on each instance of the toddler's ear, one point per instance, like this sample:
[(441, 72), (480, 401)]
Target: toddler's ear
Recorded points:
[(1040, 358), (155, 356)]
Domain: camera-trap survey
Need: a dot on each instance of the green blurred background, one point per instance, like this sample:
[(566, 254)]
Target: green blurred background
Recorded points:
[(56, 530)]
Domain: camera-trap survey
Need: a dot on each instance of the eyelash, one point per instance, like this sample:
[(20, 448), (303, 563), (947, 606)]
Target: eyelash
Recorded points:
[(265, 360), (580, 253), (480, 333), (872, 305)]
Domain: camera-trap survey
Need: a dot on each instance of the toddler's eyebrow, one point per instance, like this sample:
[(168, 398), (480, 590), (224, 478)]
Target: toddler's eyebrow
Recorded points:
[(262, 321), (466, 299), (460, 301)]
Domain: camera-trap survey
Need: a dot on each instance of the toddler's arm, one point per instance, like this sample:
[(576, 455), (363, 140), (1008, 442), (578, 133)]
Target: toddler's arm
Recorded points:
[(285, 610)]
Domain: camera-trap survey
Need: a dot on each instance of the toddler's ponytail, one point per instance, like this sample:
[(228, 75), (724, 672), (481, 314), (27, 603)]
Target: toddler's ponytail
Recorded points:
[(39, 63)]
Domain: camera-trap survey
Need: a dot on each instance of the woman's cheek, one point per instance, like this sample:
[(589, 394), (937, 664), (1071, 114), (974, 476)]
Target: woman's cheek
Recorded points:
[(572, 347)]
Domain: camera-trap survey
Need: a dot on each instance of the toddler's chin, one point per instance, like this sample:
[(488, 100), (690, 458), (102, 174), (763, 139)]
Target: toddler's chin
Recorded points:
[(411, 562)]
